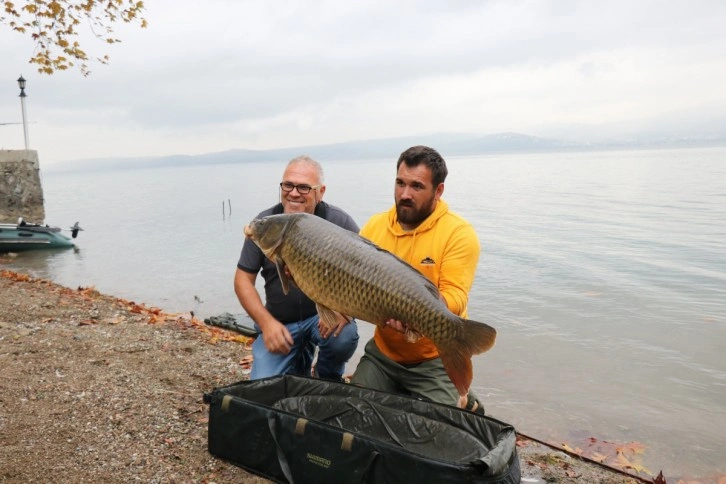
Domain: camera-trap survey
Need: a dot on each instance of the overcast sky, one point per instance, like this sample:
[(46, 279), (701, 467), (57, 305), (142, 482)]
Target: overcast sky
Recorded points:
[(214, 75)]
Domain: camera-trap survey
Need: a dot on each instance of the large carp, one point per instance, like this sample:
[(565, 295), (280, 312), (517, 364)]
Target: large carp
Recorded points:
[(345, 273)]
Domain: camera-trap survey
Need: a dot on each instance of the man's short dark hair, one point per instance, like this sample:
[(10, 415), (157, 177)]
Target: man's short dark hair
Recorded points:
[(417, 155)]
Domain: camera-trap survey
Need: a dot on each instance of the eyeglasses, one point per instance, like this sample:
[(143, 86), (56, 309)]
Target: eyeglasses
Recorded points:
[(301, 189)]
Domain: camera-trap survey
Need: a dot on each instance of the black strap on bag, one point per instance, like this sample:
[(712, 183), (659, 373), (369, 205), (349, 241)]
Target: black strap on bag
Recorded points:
[(271, 422)]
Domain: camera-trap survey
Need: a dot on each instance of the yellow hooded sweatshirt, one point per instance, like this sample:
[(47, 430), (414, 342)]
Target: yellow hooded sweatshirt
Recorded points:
[(445, 249)]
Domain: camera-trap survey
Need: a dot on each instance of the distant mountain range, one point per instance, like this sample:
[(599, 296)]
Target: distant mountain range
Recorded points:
[(448, 144)]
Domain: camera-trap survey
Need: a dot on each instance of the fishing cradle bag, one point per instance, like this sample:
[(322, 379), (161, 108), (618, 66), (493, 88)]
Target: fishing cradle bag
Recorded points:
[(297, 429)]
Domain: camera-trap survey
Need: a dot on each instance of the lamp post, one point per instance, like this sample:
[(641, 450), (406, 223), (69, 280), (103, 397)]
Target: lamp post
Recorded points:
[(21, 83)]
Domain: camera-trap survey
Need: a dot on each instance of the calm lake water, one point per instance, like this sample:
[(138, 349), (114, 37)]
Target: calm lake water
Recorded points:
[(604, 273)]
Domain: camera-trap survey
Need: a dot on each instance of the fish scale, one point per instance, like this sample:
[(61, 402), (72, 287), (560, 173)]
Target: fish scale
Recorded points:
[(341, 271)]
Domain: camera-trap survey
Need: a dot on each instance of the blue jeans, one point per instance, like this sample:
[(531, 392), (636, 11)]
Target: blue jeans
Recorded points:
[(333, 352)]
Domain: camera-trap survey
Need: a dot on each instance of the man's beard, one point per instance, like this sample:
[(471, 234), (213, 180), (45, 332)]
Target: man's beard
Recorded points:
[(410, 215)]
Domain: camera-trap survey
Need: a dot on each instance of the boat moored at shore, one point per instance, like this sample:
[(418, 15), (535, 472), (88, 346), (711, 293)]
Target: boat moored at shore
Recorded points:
[(24, 236)]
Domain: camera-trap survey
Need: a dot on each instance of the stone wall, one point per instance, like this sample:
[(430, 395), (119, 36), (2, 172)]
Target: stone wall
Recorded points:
[(21, 192)]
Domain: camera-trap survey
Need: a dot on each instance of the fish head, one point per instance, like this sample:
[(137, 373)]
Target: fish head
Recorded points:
[(268, 232)]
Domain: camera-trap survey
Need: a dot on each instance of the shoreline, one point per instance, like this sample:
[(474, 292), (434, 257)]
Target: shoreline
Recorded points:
[(97, 388)]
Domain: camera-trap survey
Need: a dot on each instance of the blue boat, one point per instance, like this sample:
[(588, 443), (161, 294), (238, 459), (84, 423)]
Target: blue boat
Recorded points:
[(24, 236)]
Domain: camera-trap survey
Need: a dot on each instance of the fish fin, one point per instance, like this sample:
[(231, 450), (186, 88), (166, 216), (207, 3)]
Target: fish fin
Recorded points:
[(280, 264), (270, 251), (477, 337), (458, 366), (330, 318)]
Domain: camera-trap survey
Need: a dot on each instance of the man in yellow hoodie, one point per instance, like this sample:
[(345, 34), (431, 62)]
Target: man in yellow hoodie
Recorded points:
[(444, 247)]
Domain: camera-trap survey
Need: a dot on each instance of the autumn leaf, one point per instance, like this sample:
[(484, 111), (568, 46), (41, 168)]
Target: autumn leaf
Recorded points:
[(598, 457), (631, 448), (246, 363), (135, 308), (153, 319), (240, 339), (88, 292), (520, 442), (624, 463), (641, 469), (159, 317), (569, 449)]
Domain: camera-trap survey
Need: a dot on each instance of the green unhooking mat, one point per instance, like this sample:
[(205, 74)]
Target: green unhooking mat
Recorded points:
[(297, 429)]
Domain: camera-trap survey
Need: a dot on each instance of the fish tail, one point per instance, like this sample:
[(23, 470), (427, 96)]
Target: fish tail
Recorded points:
[(476, 338), (458, 366)]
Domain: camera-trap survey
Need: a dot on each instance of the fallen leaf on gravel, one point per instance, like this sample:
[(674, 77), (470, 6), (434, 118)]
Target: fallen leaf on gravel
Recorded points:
[(246, 362), (241, 339), (15, 276), (114, 320)]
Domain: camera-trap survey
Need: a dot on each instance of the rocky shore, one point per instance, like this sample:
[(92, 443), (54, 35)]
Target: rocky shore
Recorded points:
[(99, 389)]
